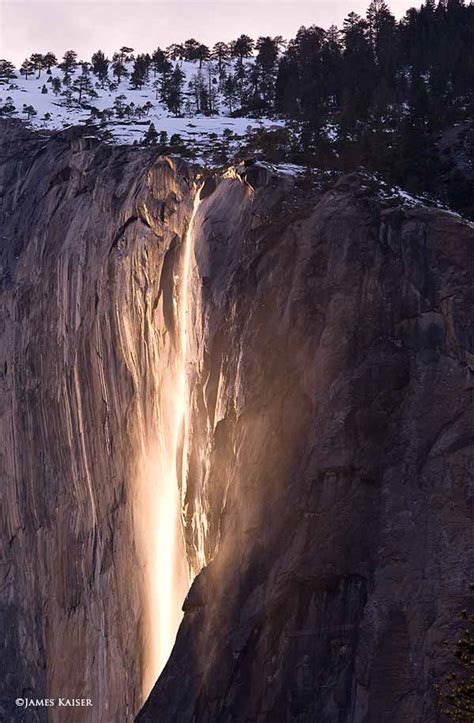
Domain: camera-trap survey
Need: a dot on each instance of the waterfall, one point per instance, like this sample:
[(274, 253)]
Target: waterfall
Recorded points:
[(162, 474)]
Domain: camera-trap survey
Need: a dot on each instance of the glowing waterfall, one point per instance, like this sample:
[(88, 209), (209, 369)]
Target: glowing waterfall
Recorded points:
[(158, 521)]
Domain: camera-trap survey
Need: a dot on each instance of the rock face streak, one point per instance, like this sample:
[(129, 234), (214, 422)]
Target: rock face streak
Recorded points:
[(321, 461)]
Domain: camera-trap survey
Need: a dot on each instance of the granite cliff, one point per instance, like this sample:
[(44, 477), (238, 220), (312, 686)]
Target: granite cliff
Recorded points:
[(322, 451)]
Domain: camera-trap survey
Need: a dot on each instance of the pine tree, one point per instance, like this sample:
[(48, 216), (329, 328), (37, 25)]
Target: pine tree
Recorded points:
[(37, 61), (68, 96), (307, 51), (212, 86), (118, 68), (220, 53), (265, 65), (29, 111), (242, 48), (373, 11), (416, 156), (126, 54), (176, 144), (171, 90), (176, 52), (82, 85), (286, 87), (147, 64), (27, 68), (7, 71), (231, 92), (129, 109), (191, 47), (176, 95), (140, 71), (151, 136), (119, 105), (56, 86), (200, 91), (159, 62), (358, 70), (202, 53), (100, 66), (8, 109), (69, 62), (158, 82), (332, 63), (50, 61), (240, 76), (381, 32)]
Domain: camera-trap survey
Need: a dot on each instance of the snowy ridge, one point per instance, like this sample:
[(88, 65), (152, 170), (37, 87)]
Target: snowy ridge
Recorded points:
[(53, 111)]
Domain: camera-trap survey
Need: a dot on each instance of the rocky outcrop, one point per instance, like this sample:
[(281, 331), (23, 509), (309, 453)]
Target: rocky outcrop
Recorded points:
[(325, 483)]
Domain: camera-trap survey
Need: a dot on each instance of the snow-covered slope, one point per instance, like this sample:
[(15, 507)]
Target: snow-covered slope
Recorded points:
[(54, 111)]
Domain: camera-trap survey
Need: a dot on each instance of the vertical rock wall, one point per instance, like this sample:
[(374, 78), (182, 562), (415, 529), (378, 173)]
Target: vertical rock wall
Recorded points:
[(330, 457), (91, 238), (327, 439)]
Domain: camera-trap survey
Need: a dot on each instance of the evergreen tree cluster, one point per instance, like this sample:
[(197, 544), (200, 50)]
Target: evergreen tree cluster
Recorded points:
[(391, 87), (372, 70)]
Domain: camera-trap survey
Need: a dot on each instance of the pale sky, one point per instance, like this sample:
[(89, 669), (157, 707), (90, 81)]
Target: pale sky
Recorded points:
[(28, 26)]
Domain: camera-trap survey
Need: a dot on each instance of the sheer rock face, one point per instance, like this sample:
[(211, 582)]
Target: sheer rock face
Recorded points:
[(327, 488), (89, 234), (328, 457)]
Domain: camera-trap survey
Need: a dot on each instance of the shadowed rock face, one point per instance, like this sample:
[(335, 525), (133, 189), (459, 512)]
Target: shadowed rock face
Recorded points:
[(331, 393), (328, 438)]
